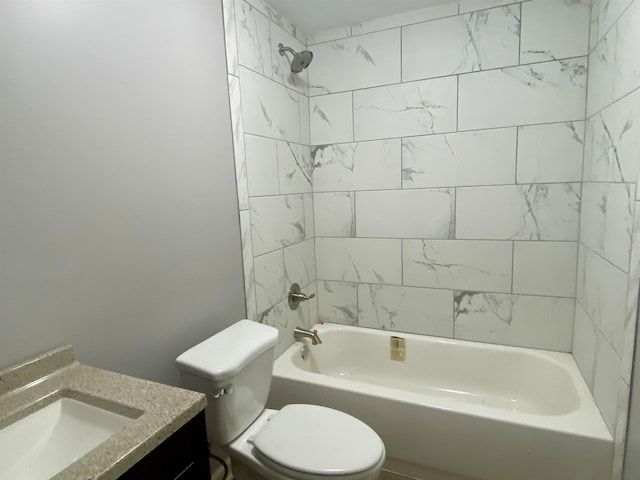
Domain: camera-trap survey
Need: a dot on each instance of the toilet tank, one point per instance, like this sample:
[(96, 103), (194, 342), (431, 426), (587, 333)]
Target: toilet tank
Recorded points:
[(233, 368)]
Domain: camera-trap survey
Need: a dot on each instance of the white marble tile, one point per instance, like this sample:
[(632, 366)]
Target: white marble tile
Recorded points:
[(545, 268), (279, 19), (312, 303), (270, 279), (632, 300), (282, 63), (458, 264), (486, 157), (238, 142), (614, 65), (254, 39), (305, 120), (300, 264), (523, 321), (518, 212), (416, 108), (309, 217), (406, 213), (460, 44), (550, 153), (620, 429), (554, 29), (406, 18), (285, 320), (603, 15), (613, 149), (584, 345), (328, 35), (230, 39), (247, 265), (357, 166), (335, 214), (268, 108), (607, 220), (359, 260), (295, 167), (539, 93), (606, 381), (602, 293), (338, 302), (357, 62), (475, 5), (406, 309), (331, 118), (276, 222), (262, 165)]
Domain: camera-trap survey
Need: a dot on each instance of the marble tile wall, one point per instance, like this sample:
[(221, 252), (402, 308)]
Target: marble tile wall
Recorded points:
[(447, 149), (609, 240), (270, 113)]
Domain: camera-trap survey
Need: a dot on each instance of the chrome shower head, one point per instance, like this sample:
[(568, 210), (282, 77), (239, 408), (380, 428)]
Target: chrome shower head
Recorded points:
[(300, 60)]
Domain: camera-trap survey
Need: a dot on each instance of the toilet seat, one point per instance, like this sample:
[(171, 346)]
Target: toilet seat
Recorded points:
[(310, 442)]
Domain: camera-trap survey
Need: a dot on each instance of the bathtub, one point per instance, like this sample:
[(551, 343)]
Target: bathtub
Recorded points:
[(454, 409)]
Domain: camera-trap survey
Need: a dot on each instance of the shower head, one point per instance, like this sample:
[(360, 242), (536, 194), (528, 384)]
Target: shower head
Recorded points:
[(300, 60)]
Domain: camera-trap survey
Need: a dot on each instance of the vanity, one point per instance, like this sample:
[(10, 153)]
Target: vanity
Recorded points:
[(67, 421)]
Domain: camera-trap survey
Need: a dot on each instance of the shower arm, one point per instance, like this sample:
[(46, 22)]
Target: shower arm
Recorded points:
[(282, 49)]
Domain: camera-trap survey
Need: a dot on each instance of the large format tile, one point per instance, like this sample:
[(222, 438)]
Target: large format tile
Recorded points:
[(331, 118), (604, 14), (613, 143), (416, 108), (523, 321), (550, 153), (262, 166), (406, 18), (406, 309), (270, 279), (553, 29), (356, 62), (458, 264), (338, 302), (247, 265), (405, 213), (268, 108), (459, 159), (237, 128), (328, 35), (309, 218), (276, 222), (335, 214), (584, 345), (475, 5), (614, 64), (359, 260), (545, 268), (538, 93), (300, 264), (295, 167), (230, 38), (460, 44), (606, 381), (602, 292), (254, 38), (357, 166), (518, 212), (607, 220)]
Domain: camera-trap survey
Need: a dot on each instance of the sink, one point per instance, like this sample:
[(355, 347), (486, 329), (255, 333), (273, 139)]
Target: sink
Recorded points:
[(47, 441)]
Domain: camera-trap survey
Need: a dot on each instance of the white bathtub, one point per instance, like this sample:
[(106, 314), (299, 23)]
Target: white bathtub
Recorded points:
[(473, 410)]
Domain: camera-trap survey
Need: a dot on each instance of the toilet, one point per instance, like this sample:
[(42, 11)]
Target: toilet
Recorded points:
[(298, 442)]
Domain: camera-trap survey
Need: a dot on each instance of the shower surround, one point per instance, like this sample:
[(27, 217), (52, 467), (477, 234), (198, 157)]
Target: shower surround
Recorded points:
[(446, 172)]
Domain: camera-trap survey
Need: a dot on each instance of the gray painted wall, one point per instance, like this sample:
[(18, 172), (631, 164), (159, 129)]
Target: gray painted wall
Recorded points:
[(119, 229)]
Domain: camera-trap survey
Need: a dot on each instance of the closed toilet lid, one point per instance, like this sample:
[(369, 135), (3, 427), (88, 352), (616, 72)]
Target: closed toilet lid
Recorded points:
[(319, 441)]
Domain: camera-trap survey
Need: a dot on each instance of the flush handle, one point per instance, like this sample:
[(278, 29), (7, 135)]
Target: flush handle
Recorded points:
[(226, 390)]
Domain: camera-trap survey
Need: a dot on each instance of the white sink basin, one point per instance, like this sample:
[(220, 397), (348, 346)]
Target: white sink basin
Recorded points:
[(47, 441)]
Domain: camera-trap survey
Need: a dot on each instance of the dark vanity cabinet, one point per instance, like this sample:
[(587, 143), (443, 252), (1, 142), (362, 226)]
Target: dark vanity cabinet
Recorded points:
[(182, 456)]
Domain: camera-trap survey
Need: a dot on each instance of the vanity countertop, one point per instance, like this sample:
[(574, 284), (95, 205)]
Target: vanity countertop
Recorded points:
[(159, 410)]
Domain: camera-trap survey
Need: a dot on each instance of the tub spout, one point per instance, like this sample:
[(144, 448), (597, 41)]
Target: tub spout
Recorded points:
[(300, 333)]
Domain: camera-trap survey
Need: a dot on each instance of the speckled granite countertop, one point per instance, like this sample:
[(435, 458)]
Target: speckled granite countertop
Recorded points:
[(159, 410)]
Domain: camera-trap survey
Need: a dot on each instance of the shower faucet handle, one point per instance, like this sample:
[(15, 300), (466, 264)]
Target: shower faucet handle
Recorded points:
[(296, 296)]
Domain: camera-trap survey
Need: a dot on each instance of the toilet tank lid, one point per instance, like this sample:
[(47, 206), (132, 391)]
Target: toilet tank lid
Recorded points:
[(227, 352)]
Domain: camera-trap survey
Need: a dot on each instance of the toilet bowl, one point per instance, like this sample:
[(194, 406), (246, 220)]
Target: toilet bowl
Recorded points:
[(298, 442)]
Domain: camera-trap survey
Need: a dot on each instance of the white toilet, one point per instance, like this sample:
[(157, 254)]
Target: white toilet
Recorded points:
[(298, 442)]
